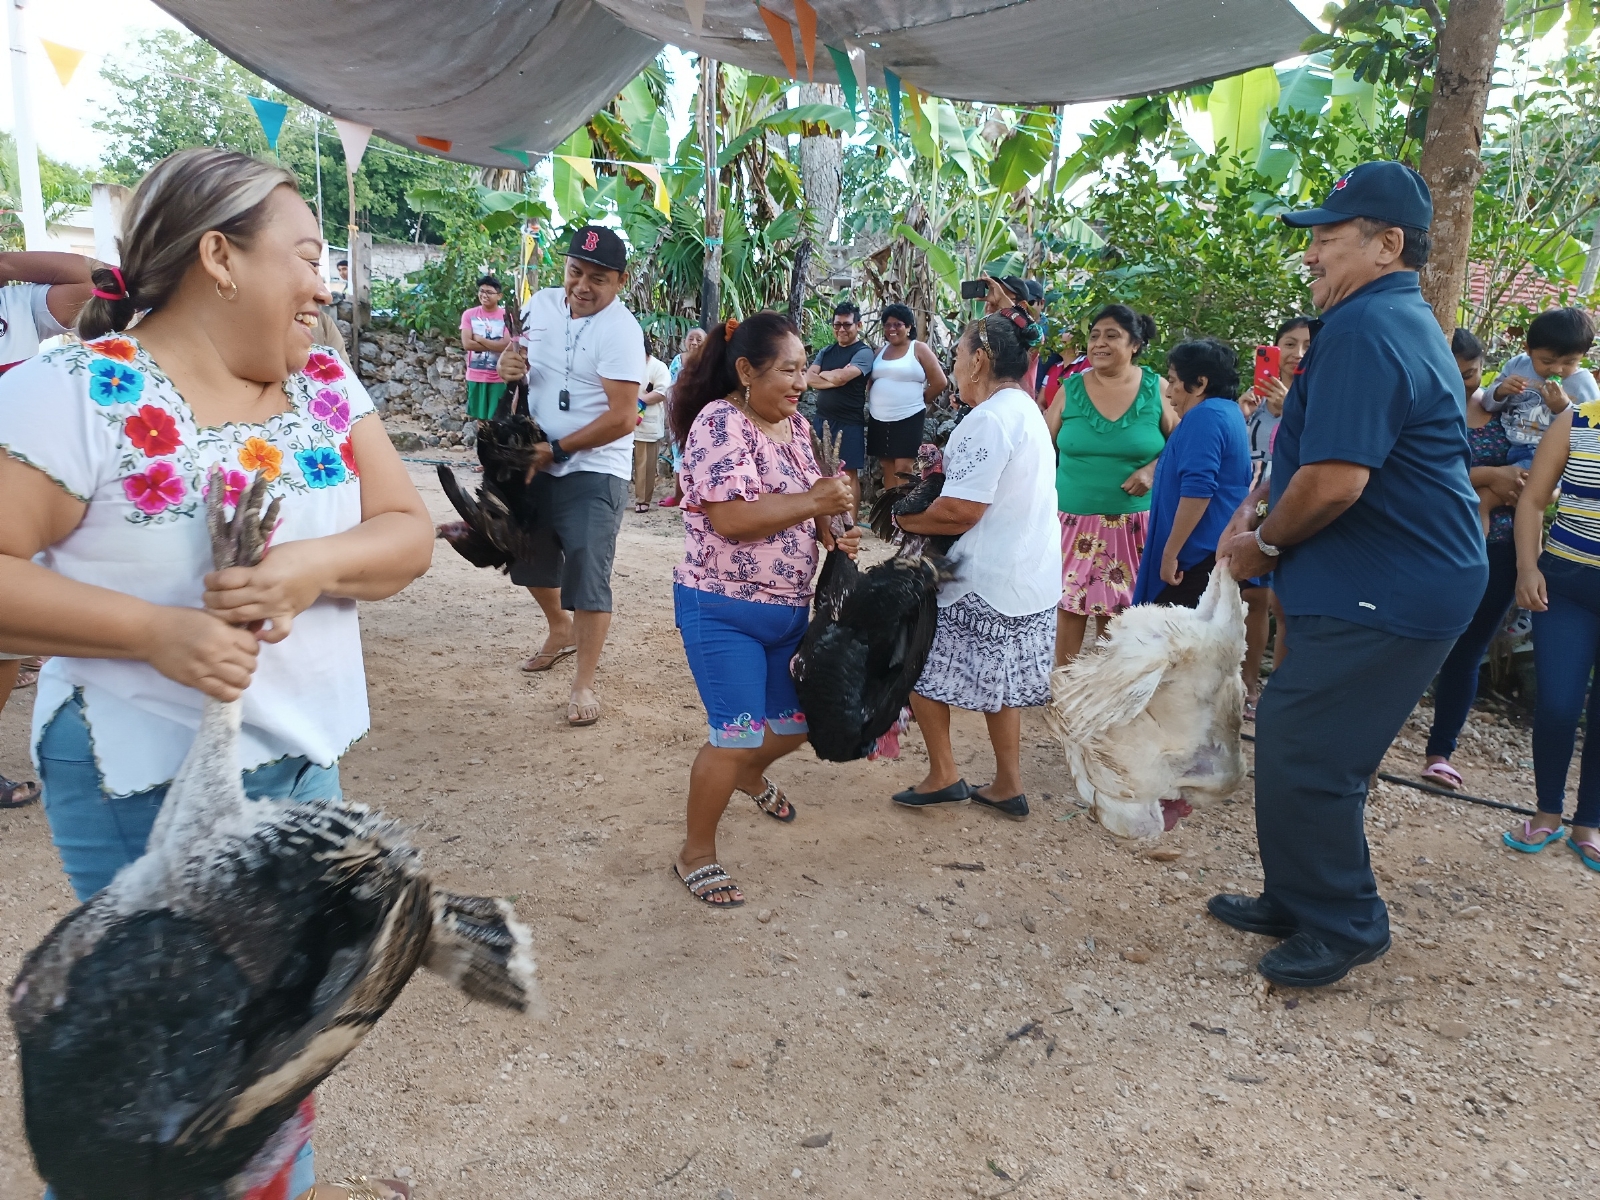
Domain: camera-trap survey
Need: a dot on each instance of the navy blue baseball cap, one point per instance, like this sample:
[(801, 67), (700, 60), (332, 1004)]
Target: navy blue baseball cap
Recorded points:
[(1380, 191)]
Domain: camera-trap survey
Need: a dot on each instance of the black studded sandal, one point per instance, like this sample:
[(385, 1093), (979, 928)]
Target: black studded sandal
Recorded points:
[(709, 881), (773, 802)]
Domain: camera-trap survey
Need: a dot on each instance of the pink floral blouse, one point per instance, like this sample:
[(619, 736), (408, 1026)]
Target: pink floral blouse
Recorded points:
[(728, 457)]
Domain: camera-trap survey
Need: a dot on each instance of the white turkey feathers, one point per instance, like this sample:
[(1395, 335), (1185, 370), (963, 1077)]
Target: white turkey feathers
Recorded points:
[(1153, 712)]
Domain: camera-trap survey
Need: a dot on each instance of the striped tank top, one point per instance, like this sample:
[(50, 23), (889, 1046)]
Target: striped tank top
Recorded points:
[(1575, 535)]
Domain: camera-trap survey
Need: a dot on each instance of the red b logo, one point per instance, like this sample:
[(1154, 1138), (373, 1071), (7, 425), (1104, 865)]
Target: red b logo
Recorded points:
[(591, 240), (1339, 186)]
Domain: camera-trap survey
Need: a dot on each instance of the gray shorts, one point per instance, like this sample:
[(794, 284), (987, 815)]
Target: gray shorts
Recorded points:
[(577, 518)]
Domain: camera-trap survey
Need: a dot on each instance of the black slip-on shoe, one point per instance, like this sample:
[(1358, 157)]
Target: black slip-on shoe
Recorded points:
[(954, 794), (1304, 961), (1016, 807), (1252, 914)]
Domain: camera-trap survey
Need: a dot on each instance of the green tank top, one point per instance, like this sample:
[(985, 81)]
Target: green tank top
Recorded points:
[(1096, 455)]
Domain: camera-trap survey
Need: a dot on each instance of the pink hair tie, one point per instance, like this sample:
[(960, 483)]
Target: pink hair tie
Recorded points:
[(114, 295)]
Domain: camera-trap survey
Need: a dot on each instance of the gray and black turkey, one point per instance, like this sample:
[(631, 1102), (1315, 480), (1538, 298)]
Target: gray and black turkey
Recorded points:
[(867, 643), (913, 496), (172, 1023), (493, 530)]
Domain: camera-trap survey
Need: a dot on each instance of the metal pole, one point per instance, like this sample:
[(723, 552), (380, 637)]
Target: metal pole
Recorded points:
[(711, 279), (350, 289), (34, 232), (316, 150)]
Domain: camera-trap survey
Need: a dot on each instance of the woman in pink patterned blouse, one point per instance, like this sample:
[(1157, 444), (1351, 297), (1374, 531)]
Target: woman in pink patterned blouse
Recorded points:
[(755, 508)]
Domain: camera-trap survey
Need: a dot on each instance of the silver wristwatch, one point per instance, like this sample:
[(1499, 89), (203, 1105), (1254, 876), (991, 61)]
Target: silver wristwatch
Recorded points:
[(1266, 547)]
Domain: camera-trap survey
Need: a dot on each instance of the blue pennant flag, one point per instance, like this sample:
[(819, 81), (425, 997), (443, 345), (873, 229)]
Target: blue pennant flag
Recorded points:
[(892, 82), (271, 114)]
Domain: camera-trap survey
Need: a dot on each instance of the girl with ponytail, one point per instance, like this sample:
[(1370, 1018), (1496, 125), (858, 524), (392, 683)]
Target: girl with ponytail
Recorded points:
[(755, 511), (107, 452)]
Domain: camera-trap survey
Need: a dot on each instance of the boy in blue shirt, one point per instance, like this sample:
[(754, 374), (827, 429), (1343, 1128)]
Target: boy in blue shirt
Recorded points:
[(1201, 477), (1535, 386)]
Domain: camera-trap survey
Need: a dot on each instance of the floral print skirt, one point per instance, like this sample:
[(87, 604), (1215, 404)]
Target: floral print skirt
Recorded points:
[(1100, 561)]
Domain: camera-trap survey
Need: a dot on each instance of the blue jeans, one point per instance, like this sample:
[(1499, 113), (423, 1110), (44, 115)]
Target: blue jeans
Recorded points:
[(97, 835), (739, 654), (1457, 684), (1566, 646)]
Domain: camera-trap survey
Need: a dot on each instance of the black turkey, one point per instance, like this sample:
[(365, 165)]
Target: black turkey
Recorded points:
[(170, 1025), (493, 530), (867, 643), (913, 496)]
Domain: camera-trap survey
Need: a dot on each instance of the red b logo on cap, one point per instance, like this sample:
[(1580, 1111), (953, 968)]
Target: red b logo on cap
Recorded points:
[(1339, 186), (591, 240)]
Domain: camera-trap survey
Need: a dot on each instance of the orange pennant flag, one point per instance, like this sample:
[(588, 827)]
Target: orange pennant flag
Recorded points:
[(807, 18), (442, 145), (64, 59), (783, 37)]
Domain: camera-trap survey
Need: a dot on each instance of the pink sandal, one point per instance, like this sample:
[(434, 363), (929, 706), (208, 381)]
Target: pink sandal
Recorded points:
[(1443, 774)]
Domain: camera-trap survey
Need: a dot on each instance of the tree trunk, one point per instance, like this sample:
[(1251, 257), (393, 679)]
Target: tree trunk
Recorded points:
[(711, 267), (1592, 262), (1451, 162), (821, 178)]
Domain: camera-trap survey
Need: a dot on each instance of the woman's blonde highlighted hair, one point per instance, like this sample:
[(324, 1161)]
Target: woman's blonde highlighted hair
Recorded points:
[(184, 196)]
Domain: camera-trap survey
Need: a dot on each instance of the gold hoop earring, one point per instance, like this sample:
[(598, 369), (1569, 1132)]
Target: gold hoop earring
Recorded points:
[(233, 295)]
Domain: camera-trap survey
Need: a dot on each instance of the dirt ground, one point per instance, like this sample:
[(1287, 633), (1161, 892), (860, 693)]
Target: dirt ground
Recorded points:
[(1063, 1021)]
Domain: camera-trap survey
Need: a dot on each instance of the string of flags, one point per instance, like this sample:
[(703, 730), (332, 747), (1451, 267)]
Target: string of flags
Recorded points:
[(849, 63)]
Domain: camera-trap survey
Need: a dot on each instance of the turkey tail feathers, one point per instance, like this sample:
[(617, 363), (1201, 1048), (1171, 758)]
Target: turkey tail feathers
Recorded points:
[(478, 945)]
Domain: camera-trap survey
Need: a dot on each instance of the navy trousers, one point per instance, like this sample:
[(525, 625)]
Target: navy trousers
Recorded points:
[(1322, 727), (1457, 685)]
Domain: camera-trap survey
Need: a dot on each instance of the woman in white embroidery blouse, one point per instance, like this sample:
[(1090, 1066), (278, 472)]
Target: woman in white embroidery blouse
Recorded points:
[(105, 450)]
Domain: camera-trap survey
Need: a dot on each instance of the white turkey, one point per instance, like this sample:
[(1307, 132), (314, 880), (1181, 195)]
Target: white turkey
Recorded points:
[(172, 1023), (1150, 717)]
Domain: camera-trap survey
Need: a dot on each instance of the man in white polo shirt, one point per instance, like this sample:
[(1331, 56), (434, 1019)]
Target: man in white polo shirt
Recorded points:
[(584, 361)]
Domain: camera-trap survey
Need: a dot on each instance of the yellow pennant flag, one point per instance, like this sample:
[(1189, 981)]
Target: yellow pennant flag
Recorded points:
[(64, 59), (583, 166), (653, 174)]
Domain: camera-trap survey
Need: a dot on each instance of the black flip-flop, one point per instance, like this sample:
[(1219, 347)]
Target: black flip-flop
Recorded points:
[(18, 795), (1016, 808)]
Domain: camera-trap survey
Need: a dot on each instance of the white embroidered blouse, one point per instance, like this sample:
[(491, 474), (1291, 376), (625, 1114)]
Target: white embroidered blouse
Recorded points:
[(104, 422)]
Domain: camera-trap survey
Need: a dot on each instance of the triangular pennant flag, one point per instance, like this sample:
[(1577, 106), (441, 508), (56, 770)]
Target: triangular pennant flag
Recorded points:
[(858, 60), (891, 81), (806, 17), (782, 37), (697, 13), (63, 58), (442, 145), (847, 76), (583, 166), (653, 173), (353, 137), (520, 155), (271, 114)]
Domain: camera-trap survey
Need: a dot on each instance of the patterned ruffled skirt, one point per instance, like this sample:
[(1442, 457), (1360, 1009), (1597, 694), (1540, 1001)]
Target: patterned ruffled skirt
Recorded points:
[(983, 660), (1100, 561)]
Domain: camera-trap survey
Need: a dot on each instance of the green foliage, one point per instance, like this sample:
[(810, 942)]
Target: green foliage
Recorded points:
[(62, 187)]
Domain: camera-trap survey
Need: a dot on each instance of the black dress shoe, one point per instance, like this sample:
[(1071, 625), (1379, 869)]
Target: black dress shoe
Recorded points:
[(1016, 807), (1305, 962), (1253, 914), (954, 794)]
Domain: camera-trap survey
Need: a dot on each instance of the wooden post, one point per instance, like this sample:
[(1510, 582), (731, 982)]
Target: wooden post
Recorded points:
[(711, 278)]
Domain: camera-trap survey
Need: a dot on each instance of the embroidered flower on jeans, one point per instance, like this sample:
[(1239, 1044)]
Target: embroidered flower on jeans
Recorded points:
[(745, 723), (348, 453), (111, 382), (321, 466), (324, 368), (332, 409), (155, 489), (152, 430), (233, 486), (263, 456), (120, 349)]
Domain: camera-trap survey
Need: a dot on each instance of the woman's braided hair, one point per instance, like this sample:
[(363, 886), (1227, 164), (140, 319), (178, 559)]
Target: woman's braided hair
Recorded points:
[(184, 196)]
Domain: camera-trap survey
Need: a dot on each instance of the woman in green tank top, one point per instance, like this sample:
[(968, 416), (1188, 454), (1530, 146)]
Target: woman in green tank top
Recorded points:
[(1109, 425)]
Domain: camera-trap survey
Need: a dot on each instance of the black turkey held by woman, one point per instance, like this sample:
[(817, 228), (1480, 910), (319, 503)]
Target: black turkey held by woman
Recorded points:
[(913, 496), (493, 530), (169, 1026)]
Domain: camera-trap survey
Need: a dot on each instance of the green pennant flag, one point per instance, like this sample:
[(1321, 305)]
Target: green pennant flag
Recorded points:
[(847, 76), (892, 82), (520, 155), (271, 114)]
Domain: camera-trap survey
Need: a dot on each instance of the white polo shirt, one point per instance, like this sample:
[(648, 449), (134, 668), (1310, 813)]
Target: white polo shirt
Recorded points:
[(574, 354)]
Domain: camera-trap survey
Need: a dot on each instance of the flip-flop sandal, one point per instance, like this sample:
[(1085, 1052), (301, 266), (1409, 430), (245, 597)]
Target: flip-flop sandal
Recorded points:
[(17, 795), (1250, 710), (554, 656), (1443, 774), (1588, 853), (1550, 836), (26, 678), (580, 722), (360, 1186), (708, 881), (773, 802)]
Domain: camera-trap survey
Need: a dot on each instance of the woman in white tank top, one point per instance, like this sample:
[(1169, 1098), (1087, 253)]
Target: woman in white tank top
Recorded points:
[(905, 377)]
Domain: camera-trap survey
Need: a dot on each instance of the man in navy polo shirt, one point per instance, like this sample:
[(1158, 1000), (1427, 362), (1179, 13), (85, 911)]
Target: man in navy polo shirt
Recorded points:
[(1379, 561)]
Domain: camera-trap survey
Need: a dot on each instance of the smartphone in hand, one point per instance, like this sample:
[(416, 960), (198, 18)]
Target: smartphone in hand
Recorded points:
[(1269, 365)]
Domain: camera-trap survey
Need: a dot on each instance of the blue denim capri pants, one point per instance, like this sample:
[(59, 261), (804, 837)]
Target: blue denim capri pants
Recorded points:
[(96, 835), (739, 653)]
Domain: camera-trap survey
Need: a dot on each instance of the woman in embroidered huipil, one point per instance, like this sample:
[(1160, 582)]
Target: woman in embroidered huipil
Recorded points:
[(755, 510), (105, 452)]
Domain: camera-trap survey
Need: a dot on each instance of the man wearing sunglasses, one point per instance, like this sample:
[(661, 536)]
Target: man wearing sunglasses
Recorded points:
[(839, 375)]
